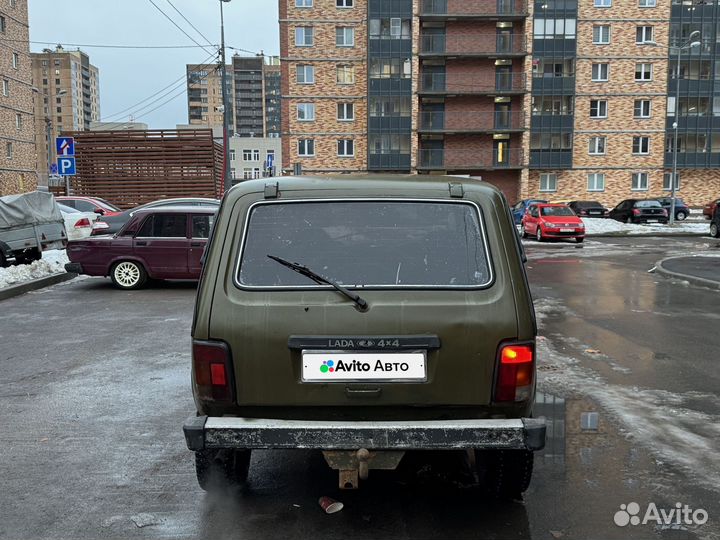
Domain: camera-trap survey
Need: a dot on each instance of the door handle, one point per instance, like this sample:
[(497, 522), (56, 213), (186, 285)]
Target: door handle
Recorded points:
[(141, 243)]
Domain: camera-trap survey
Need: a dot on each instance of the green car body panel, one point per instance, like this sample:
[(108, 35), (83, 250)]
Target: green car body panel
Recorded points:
[(470, 323)]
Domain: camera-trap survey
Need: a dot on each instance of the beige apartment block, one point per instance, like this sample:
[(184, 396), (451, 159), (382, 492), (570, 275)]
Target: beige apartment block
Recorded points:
[(18, 158), (204, 87), (324, 85), (67, 98)]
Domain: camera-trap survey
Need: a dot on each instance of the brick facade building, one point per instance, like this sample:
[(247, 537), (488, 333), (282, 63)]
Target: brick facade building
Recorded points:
[(18, 159)]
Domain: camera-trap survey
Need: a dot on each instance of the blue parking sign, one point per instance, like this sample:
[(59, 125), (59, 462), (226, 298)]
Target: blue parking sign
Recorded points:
[(66, 166)]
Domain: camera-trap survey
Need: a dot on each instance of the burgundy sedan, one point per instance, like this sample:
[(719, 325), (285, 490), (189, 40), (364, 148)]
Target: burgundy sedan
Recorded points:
[(157, 243)]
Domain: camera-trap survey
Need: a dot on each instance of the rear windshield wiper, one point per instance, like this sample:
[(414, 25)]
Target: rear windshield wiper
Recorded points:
[(361, 304)]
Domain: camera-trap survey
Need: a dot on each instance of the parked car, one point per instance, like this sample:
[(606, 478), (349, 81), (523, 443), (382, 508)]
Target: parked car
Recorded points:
[(682, 210), (112, 224), (29, 224), (303, 337), (639, 211), (89, 204), (78, 225), (592, 209), (552, 222), (710, 208), (518, 211), (715, 225), (157, 243)]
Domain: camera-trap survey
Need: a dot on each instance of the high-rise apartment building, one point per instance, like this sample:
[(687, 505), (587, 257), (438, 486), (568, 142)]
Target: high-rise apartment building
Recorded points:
[(68, 97), (559, 99), (18, 159), (253, 90)]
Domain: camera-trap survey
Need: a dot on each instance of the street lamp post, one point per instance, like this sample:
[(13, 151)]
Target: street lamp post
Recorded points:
[(227, 181), (689, 44)]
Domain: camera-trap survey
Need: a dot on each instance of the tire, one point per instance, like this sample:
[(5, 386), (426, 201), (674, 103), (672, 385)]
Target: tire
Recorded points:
[(580, 239), (680, 216), (3, 260), (507, 473), (128, 275), (219, 469), (29, 257), (538, 235), (524, 232), (714, 230)]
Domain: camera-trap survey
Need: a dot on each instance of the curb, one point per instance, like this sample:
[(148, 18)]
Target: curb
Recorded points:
[(694, 280), (35, 284)]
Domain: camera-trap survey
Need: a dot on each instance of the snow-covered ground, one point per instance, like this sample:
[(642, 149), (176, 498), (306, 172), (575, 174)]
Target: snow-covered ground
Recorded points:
[(610, 226), (52, 262)]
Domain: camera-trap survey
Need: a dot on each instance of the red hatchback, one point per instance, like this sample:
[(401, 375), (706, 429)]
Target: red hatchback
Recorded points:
[(157, 243), (552, 221)]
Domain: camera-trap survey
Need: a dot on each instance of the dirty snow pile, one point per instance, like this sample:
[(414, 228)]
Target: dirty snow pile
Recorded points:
[(52, 262), (610, 226)]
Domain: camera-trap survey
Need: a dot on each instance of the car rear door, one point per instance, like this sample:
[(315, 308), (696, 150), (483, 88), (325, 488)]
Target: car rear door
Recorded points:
[(162, 244), (200, 225)]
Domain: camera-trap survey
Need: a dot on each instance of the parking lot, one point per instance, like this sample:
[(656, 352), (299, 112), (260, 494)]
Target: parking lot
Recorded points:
[(96, 385)]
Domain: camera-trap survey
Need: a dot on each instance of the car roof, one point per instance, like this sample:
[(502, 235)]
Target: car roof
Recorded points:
[(178, 209), (545, 205)]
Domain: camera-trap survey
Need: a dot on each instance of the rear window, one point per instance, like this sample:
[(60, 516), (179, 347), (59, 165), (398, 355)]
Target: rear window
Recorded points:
[(366, 243), (648, 204), (556, 211)]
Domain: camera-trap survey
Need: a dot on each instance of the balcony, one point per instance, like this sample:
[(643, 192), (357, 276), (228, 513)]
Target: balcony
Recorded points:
[(459, 122), (469, 159), (473, 9), (468, 84), (474, 45)]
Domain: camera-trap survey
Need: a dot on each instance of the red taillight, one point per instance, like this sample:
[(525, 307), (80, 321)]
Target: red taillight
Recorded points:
[(212, 371), (84, 222), (636, 212), (516, 373)]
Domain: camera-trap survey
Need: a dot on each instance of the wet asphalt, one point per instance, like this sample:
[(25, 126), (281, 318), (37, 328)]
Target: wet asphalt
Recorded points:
[(94, 387)]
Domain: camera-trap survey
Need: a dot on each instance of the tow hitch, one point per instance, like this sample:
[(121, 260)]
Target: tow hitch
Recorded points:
[(355, 465)]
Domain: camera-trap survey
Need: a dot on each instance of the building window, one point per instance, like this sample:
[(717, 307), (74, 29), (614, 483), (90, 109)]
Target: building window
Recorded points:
[(6, 87), (639, 181), (345, 148), (247, 155), (247, 173), (598, 108), (16, 60), (554, 28), (345, 112), (344, 36), (667, 182), (648, 3), (596, 182), (601, 34), (305, 74), (344, 3), (256, 155), (256, 173), (597, 146), (306, 112), (303, 3), (603, 3), (18, 121), (232, 154), (13, 3), (600, 72), (641, 145), (57, 62), (346, 75), (548, 182), (641, 108), (644, 34), (3, 24), (9, 150), (304, 36), (643, 72), (57, 82), (233, 174), (306, 147), (390, 68)]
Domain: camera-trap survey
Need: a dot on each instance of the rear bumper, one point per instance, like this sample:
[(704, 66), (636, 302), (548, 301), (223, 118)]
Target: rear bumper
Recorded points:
[(203, 432), (74, 268)]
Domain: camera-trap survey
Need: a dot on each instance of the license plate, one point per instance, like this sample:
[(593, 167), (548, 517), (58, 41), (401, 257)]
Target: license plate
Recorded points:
[(332, 366), (567, 230)]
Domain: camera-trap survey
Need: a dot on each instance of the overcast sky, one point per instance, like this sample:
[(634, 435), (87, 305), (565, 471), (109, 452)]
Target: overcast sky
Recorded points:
[(129, 76)]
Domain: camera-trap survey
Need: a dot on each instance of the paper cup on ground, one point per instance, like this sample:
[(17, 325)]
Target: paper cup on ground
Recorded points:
[(330, 506)]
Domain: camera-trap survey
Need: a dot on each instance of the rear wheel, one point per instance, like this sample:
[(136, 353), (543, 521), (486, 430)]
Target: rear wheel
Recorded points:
[(128, 275), (580, 239), (714, 231), (507, 473), (680, 216), (217, 469), (524, 233), (538, 235)]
